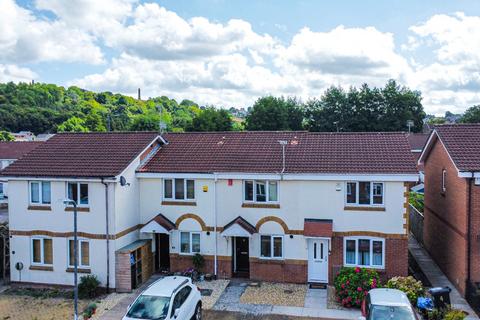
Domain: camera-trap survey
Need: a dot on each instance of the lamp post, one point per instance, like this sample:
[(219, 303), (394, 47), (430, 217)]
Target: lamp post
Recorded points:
[(75, 257)]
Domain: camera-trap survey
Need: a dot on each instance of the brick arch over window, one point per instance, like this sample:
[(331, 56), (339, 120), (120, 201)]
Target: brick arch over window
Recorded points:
[(282, 223), (194, 217)]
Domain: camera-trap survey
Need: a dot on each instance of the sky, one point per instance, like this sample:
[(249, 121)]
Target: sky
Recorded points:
[(228, 53)]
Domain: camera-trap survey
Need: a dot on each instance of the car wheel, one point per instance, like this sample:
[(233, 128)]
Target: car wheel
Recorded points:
[(198, 312)]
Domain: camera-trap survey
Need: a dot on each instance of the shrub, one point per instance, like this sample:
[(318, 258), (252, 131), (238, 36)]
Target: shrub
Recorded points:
[(198, 261), (416, 200), (455, 314), (446, 314), (352, 284), (89, 311), (88, 287), (412, 288)]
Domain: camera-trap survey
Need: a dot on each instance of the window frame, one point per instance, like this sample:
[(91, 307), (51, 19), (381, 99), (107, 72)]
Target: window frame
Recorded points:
[(185, 190), (42, 251), (40, 193), (272, 237), (357, 194), (80, 256), (79, 183), (267, 191), (356, 239), (190, 239)]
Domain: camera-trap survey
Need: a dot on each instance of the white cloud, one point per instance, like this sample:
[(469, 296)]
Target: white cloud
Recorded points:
[(10, 72), (27, 38)]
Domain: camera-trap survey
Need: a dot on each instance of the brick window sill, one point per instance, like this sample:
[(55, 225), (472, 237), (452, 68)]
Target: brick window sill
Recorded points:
[(39, 208), (79, 270), (261, 205), (361, 208), (41, 268), (79, 209), (179, 203)]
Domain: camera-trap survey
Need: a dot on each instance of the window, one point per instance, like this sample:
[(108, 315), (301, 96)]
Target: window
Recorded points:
[(181, 297), (271, 246), (1, 191), (189, 242), (40, 192), (364, 252), (444, 176), (78, 192), (364, 193), (42, 251), (260, 191), (181, 189), (83, 251)]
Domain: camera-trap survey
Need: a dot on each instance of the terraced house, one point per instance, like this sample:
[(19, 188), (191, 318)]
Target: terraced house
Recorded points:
[(276, 206)]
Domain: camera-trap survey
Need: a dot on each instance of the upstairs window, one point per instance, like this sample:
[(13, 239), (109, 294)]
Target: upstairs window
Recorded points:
[(40, 192), (179, 189), (364, 193), (444, 177), (78, 192), (261, 191)]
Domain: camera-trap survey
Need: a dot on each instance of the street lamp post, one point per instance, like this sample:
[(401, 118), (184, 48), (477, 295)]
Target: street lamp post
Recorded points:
[(75, 257)]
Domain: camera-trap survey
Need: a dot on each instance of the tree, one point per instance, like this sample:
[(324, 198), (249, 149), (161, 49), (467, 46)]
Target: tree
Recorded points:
[(472, 115), (73, 124), (6, 136), (272, 113), (211, 119)]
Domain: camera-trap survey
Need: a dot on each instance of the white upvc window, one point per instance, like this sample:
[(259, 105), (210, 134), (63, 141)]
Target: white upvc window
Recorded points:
[(260, 191), (40, 192), (83, 251), (179, 189), (365, 193), (368, 252), (78, 192), (42, 251), (189, 242), (271, 246)]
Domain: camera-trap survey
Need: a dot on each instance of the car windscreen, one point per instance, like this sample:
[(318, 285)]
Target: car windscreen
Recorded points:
[(391, 313), (149, 307)]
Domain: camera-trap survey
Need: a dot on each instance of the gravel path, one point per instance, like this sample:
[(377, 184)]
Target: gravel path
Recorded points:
[(107, 303), (278, 294), (217, 287)]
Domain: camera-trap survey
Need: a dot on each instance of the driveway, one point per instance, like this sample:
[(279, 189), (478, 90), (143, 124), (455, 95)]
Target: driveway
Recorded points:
[(226, 315)]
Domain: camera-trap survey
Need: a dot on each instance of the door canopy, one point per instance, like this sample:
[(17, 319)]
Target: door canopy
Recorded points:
[(238, 227), (159, 224)]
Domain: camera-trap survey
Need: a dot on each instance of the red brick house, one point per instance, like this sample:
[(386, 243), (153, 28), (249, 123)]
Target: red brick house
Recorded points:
[(451, 159)]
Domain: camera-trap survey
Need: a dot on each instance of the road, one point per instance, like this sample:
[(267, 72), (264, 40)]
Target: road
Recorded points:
[(224, 315)]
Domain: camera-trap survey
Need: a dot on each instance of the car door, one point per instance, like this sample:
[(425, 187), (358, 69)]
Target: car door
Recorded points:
[(179, 302)]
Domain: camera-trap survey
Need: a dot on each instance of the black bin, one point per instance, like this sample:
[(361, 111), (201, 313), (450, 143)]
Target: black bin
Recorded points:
[(440, 297)]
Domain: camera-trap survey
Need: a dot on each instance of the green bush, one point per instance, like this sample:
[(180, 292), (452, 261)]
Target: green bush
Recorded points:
[(455, 314), (412, 288), (198, 262), (352, 285), (446, 314), (416, 200), (88, 287), (89, 311)]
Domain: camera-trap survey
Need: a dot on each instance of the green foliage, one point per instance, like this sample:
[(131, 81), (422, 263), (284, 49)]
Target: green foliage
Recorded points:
[(89, 310), (88, 287), (198, 261), (417, 200), (352, 285), (472, 115), (211, 119), (455, 314), (6, 136), (272, 113), (74, 124), (412, 288)]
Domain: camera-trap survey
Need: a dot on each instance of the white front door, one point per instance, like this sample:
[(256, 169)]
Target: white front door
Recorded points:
[(318, 260)]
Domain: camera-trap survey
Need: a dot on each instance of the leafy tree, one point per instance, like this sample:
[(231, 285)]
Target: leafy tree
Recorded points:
[(211, 119), (73, 124), (272, 113), (472, 115), (6, 136)]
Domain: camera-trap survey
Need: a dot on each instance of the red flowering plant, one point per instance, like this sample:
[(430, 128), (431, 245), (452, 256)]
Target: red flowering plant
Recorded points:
[(353, 284)]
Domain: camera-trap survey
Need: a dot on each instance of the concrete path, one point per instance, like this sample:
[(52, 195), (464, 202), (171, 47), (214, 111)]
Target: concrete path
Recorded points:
[(436, 277), (315, 305)]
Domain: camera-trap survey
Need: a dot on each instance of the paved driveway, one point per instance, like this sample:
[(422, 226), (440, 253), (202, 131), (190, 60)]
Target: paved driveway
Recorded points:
[(226, 315)]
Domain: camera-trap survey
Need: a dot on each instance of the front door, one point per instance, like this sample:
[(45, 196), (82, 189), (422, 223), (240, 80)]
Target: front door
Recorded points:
[(162, 252), (241, 259), (318, 260)]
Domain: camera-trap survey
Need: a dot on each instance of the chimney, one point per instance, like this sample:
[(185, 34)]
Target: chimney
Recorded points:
[(139, 96)]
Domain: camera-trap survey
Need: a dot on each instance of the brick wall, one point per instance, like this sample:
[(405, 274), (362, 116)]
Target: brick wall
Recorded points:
[(445, 224), (180, 263), (294, 271)]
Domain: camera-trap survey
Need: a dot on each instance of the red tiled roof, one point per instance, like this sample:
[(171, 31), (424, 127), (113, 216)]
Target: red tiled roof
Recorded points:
[(242, 223), (16, 149), (82, 155), (417, 140), (306, 152), (462, 142)]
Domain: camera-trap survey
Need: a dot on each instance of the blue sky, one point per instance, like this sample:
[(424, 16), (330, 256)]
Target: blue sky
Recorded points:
[(228, 53)]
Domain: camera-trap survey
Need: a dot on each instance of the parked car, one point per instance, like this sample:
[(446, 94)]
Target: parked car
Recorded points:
[(387, 304), (168, 298)]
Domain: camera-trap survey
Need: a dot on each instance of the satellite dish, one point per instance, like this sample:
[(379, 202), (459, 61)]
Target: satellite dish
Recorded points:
[(123, 181)]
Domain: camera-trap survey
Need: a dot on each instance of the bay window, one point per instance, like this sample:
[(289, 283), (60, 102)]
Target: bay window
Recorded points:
[(42, 251), (40, 192), (83, 253), (365, 193), (260, 191), (189, 242), (78, 192), (179, 189), (364, 252), (271, 246)]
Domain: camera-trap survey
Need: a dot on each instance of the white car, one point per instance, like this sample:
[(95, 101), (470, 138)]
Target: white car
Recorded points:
[(387, 304), (168, 298)]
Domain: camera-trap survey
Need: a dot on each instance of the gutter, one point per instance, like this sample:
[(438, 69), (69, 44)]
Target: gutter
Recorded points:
[(107, 233)]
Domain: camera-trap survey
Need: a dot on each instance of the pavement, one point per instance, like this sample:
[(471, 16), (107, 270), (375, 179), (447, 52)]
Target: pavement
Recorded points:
[(437, 278), (227, 315)]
